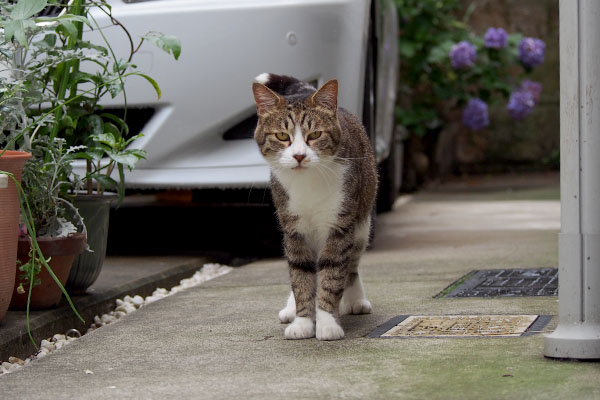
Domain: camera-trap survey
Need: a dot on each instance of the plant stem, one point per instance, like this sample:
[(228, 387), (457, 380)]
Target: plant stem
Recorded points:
[(76, 9)]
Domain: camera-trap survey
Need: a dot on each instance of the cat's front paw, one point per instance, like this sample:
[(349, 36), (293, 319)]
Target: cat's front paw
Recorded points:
[(327, 327), (287, 315), (301, 328), (360, 306)]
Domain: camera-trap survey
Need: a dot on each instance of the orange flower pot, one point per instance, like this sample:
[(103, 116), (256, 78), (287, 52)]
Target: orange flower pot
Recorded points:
[(13, 162)]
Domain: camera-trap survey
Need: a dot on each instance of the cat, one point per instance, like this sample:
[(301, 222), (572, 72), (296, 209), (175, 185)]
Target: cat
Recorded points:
[(323, 183)]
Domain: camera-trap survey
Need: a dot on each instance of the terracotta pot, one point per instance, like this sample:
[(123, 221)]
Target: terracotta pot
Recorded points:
[(95, 211), (13, 162), (62, 251)]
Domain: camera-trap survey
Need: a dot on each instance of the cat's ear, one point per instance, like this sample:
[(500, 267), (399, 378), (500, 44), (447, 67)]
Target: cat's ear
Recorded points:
[(266, 99), (326, 96)]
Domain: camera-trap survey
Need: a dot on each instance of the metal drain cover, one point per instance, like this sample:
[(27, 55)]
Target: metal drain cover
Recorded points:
[(506, 283), (461, 326)]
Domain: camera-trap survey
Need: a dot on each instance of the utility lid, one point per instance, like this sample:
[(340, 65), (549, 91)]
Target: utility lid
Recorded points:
[(427, 326), (505, 283)]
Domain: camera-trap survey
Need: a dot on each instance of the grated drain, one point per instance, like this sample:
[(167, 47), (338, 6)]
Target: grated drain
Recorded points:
[(444, 326), (505, 283)]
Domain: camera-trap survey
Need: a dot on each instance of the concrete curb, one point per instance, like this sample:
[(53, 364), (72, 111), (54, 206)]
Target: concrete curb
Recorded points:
[(14, 340)]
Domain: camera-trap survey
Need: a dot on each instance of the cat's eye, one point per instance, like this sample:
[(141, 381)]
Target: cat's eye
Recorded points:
[(314, 135), (284, 137)]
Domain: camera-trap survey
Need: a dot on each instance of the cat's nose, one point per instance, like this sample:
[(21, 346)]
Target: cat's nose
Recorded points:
[(299, 157)]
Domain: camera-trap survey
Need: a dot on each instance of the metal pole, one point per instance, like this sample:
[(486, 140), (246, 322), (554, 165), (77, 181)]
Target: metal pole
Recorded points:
[(577, 335)]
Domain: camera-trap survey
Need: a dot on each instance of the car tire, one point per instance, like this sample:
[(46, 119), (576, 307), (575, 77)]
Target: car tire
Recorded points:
[(390, 175)]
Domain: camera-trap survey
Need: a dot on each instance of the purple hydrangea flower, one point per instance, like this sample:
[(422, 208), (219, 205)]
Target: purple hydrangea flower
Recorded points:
[(535, 88), (475, 115), (520, 103), (462, 55), (531, 51), (495, 38)]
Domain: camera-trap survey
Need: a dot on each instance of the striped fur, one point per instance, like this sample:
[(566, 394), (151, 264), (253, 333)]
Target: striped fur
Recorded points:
[(323, 180)]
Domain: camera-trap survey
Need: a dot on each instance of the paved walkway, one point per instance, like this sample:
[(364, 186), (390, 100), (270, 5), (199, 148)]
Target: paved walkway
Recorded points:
[(223, 340)]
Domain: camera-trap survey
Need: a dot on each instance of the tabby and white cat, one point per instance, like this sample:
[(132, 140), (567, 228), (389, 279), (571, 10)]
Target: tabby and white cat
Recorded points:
[(324, 181)]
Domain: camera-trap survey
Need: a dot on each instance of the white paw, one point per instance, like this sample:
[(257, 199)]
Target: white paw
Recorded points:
[(327, 327), (301, 328), (287, 315), (360, 306)]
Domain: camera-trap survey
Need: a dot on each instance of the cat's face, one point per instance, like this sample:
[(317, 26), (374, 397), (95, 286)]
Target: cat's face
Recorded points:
[(297, 133)]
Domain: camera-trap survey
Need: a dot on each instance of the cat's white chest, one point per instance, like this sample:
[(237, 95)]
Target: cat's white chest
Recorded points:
[(315, 197)]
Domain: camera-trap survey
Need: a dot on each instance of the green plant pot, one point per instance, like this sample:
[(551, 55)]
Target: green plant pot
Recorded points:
[(95, 210)]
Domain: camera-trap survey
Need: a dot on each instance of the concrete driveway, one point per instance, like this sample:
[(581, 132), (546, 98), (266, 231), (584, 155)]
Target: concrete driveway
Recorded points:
[(223, 340)]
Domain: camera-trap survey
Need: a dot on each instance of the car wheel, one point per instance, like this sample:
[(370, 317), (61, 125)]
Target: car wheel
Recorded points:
[(390, 175)]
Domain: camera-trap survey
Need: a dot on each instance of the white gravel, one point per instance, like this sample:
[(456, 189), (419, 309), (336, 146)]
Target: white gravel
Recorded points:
[(124, 306)]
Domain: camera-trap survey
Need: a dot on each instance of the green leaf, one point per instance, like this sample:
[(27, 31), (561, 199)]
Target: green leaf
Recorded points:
[(168, 43), (96, 153), (105, 138), (152, 82), (131, 139), (27, 8), (68, 27), (439, 54), (122, 124), (407, 48), (114, 86), (95, 125), (79, 77), (112, 129), (125, 158), (16, 29), (106, 181), (48, 42), (65, 17), (82, 44), (66, 122)]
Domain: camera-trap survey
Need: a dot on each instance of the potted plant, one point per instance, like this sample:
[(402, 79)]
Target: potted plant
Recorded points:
[(102, 138), (44, 110), (58, 228), (106, 136)]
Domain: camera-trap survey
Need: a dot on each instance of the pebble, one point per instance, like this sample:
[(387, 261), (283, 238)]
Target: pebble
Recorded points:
[(124, 306), (107, 319), (16, 360), (138, 301), (58, 337), (47, 345), (151, 299)]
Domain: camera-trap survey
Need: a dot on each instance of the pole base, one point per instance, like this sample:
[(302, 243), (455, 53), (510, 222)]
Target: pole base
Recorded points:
[(573, 341)]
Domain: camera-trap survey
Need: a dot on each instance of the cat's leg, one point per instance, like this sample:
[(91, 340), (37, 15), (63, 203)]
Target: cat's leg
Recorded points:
[(333, 273), (354, 300), (288, 313), (303, 278)]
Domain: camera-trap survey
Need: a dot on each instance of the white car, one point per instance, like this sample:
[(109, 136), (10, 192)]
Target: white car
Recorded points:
[(199, 134)]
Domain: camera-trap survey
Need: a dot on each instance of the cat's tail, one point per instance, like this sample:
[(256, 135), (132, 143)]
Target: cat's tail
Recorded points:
[(284, 85)]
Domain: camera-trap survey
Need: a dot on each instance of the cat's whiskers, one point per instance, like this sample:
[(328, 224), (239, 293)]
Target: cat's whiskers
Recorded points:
[(333, 172), (317, 167)]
